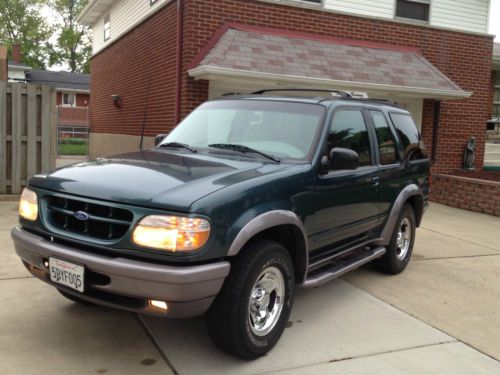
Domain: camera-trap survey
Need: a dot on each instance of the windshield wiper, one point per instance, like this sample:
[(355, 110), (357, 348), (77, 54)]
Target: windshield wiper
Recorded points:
[(243, 149), (178, 145)]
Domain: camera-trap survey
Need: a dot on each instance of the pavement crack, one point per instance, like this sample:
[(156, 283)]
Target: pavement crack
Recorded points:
[(361, 356), (156, 344), (17, 278), (457, 257)]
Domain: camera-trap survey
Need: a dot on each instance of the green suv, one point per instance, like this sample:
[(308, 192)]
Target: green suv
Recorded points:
[(247, 199)]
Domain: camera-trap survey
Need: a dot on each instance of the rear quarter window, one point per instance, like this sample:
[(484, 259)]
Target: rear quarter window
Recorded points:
[(409, 136)]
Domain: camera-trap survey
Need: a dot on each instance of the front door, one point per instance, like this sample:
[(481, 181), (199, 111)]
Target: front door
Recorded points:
[(347, 201)]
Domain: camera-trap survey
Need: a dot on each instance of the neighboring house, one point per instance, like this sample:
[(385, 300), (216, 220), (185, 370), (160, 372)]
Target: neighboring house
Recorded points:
[(72, 90), (161, 58)]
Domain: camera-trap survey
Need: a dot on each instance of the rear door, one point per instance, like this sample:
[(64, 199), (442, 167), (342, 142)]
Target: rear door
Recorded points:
[(391, 170), (347, 201)]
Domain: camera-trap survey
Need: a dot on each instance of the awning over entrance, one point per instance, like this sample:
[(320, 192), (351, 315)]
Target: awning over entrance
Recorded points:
[(285, 58)]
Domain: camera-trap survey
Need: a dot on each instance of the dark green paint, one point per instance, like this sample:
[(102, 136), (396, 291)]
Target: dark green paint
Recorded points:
[(337, 209)]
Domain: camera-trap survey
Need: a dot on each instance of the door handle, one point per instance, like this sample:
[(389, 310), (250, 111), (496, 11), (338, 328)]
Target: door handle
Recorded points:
[(375, 180)]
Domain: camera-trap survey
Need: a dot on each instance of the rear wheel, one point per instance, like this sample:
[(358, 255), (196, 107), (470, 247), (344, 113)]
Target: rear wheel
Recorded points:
[(400, 248), (250, 313)]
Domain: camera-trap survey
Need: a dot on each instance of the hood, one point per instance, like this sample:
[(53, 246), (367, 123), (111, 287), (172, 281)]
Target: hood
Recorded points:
[(152, 178)]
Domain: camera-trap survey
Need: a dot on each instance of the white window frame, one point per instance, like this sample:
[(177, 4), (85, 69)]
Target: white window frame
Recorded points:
[(107, 27), (70, 94), (413, 19), (496, 86)]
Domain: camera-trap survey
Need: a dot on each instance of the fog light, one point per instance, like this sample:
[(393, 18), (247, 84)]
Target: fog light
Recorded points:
[(160, 304)]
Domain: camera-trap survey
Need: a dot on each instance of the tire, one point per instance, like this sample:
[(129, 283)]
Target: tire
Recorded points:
[(399, 252), (238, 321), (75, 299)]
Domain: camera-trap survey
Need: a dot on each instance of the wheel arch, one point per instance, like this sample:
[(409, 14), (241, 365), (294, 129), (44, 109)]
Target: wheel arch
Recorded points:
[(281, 226), (411, 194)]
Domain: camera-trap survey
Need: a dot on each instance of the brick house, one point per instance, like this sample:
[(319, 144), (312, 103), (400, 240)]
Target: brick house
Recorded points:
[(72, 89), (162, 58)]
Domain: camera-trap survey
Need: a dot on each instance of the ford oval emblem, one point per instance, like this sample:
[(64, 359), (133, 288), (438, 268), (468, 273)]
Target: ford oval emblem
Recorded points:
[(80, 215)]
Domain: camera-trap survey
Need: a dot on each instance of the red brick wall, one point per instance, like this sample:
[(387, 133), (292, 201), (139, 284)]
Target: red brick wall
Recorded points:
[(122, 68), (466, 193), (139, 67), (465, 58), (82, 100)]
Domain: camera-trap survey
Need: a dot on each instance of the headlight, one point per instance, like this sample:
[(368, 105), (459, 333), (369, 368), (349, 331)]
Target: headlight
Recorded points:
[(28, 205), (171, 233)]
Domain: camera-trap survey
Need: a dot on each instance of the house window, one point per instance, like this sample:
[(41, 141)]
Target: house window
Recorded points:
[(107, 27), (68, 99), (413, 9), (496, 96)]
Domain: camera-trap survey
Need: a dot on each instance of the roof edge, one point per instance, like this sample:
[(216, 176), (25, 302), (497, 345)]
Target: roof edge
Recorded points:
[(210, 72)]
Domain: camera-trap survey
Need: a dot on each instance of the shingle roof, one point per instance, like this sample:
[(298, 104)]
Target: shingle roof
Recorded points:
[(322, 58), (64, 80), (18, 65)]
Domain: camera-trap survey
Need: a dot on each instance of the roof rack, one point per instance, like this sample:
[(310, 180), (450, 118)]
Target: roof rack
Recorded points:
[(342, 94)]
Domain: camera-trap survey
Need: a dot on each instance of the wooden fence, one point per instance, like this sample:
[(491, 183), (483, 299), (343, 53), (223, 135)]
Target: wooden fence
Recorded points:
[(27, 133)]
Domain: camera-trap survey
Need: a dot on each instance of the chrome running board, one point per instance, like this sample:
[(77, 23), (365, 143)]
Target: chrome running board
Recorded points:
[(343, 267)]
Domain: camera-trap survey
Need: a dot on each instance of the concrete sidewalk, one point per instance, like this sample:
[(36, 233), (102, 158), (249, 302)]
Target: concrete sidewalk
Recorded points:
[(439, 316)]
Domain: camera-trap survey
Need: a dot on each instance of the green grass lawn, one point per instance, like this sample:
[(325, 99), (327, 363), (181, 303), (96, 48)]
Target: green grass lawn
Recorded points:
[(73, 146)]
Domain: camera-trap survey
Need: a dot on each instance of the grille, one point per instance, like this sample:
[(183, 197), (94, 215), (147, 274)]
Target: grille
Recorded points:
[(104, 222)]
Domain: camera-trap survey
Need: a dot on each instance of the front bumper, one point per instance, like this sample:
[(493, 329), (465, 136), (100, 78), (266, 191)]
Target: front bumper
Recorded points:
[(127, 284)]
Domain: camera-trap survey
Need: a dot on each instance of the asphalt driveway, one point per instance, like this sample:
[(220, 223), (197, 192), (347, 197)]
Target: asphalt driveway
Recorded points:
[(440, 316)]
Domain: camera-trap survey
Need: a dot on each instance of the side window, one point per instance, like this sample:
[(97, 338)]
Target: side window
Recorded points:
[(348, 130), (386, 145), (409, 136)]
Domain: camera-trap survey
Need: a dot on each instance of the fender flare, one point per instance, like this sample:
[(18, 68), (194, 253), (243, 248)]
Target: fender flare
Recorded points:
[(405, 194), (268, 220)]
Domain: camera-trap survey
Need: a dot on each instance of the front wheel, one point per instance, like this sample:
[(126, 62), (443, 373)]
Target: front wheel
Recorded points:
[(400, 248), (249, 315)]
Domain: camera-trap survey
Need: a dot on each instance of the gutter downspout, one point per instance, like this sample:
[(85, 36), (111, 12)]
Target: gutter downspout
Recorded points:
[(435, 135), (178, 70)]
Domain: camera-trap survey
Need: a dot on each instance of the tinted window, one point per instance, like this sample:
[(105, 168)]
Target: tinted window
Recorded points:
[(386, 144), (409, 136), (348, 130)]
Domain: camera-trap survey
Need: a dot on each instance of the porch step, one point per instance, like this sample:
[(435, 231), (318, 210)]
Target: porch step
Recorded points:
[(492, 155), (343, 267), (492, 163), (492, 147)]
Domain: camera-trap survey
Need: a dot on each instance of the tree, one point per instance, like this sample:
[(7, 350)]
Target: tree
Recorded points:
[(73, 46), (21, 22)]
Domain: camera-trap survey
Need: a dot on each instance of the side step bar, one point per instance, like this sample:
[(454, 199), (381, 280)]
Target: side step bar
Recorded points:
[(340, 269)]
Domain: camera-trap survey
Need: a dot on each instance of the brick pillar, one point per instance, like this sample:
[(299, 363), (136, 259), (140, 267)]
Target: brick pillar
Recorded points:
[(3, 63), (16, 53)]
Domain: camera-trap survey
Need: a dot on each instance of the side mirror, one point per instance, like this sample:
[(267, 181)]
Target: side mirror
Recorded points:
[(340, 158), (159, 138)]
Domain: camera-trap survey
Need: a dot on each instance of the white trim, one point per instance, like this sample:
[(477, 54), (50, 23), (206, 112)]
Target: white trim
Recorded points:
[(212, 72), (62, 99), (76, 91)]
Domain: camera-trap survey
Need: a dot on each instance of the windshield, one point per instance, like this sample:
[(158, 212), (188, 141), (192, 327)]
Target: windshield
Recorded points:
[(282, 129)]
